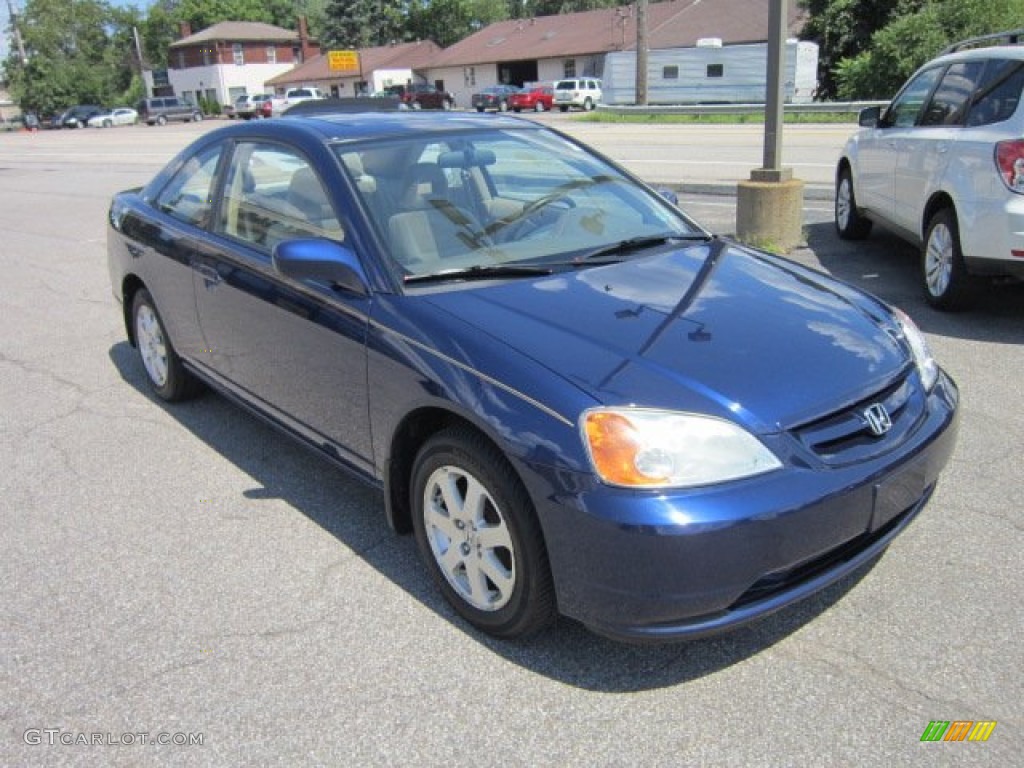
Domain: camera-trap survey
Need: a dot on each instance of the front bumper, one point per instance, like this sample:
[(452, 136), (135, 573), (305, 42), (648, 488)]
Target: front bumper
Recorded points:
[(646, 566)]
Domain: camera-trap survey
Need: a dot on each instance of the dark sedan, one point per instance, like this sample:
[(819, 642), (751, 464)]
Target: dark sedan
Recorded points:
[(579, 400), (496, 97)]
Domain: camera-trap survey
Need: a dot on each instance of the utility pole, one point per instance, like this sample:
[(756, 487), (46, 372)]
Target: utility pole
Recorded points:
[(641, 52), (17, 33)]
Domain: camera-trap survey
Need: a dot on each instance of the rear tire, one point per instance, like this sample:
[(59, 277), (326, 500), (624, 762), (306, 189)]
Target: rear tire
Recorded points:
[(479, 535), (167, 377), (947, 284), (850, 225), (161, 120)]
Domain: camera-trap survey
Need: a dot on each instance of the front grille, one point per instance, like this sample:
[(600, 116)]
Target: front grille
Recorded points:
[(845, 437)]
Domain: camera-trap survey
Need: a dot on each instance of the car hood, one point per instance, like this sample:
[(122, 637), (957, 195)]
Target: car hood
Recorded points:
[(714, 328)]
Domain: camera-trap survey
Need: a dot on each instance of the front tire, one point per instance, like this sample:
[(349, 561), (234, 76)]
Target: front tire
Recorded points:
[(479, 535), (850, 225), (947, 284), (164, 370)]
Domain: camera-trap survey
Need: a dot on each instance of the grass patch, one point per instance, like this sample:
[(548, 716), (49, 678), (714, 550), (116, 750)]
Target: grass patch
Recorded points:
[(716, 119)]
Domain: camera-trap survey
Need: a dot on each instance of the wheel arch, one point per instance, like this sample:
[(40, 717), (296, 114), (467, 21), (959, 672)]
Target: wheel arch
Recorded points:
[(938, 201), (131, 285), (415, 429)]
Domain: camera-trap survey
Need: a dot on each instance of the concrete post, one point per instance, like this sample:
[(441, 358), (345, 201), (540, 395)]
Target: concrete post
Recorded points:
[(769, 207)]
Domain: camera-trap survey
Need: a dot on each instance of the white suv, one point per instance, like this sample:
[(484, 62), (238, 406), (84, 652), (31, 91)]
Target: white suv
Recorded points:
[(943, 167), (583, 92)]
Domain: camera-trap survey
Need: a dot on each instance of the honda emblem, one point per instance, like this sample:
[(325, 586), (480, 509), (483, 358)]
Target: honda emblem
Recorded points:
[(878, 419)]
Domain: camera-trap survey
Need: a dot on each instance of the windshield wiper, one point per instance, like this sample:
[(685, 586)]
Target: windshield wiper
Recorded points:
[(479, 272), (644, 241)]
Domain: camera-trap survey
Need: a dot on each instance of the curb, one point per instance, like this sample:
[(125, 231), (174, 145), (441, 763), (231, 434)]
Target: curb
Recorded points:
[(728, 189)]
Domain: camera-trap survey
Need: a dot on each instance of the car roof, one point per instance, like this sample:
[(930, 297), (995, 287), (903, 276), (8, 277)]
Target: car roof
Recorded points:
[(991, 52), (366, 125)]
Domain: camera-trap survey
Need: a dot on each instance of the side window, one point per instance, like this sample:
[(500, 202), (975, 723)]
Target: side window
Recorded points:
[(948, 105), (903, 111), (999, 93), (187, 196), (273, 194)]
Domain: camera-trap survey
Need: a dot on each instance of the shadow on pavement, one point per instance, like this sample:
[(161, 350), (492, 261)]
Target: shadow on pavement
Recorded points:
[(890, 268), (566, 652)]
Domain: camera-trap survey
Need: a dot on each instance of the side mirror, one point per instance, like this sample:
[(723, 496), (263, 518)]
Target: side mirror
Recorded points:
[(669, 195), (321, 259), (869, 117)]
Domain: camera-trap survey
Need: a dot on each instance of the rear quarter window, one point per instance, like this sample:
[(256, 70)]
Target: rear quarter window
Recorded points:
[(998, 93)]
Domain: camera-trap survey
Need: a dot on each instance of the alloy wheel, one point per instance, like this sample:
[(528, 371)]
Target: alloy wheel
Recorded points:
[(468, 538)]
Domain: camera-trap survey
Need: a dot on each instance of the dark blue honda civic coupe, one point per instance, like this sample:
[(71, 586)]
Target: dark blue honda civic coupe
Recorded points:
[(578, 399)]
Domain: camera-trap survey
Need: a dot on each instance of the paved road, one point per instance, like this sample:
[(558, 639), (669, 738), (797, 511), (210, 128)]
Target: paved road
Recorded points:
[(186, 570)]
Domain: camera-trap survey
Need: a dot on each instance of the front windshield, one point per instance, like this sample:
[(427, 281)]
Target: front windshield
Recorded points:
[(491, 198)]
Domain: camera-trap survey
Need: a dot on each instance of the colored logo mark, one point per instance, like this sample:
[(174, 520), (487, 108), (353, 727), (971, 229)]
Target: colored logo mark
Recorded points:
[(958, 730)]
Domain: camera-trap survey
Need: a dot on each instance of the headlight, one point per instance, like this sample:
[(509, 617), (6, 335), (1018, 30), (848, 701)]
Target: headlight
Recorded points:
[(665, 449), (926, 364)]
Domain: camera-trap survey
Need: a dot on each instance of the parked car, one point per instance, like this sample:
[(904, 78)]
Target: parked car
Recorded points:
[(943, 167), (495, 97), (294, 96), (582, 92), (159, 110), (538, 98), (422, 96), (248, 106), (78, 117), (111, 117), (577, 398)]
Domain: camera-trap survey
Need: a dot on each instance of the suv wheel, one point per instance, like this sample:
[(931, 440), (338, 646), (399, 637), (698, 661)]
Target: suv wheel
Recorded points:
[(161, 120), (849, 223), (587, 104), (946, 281), (197, 117)]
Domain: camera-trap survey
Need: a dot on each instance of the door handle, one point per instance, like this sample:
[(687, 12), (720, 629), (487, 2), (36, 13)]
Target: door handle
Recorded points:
[(210, 275)]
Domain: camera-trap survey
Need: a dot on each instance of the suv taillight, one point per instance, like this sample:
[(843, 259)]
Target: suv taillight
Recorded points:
[(1010, 162)]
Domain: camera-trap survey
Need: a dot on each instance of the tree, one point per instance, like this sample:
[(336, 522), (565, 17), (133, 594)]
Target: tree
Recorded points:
[(843, 29), (448, 21), (77, 53), (362, 23), (910, 40)]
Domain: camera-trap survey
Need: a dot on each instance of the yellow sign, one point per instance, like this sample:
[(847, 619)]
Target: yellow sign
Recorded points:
[(343, 61)]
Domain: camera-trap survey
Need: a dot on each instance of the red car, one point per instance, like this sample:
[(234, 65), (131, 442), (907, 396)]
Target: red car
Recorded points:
[(537, 99)]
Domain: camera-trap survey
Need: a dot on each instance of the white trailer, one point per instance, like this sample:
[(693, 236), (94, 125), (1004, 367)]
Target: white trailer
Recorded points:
[(711, 73)]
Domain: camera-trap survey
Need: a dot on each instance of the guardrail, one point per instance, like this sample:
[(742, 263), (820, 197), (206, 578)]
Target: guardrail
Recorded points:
[(815, 107)]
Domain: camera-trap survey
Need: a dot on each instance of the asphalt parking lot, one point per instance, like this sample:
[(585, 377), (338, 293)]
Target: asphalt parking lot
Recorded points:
[(187, 572)]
